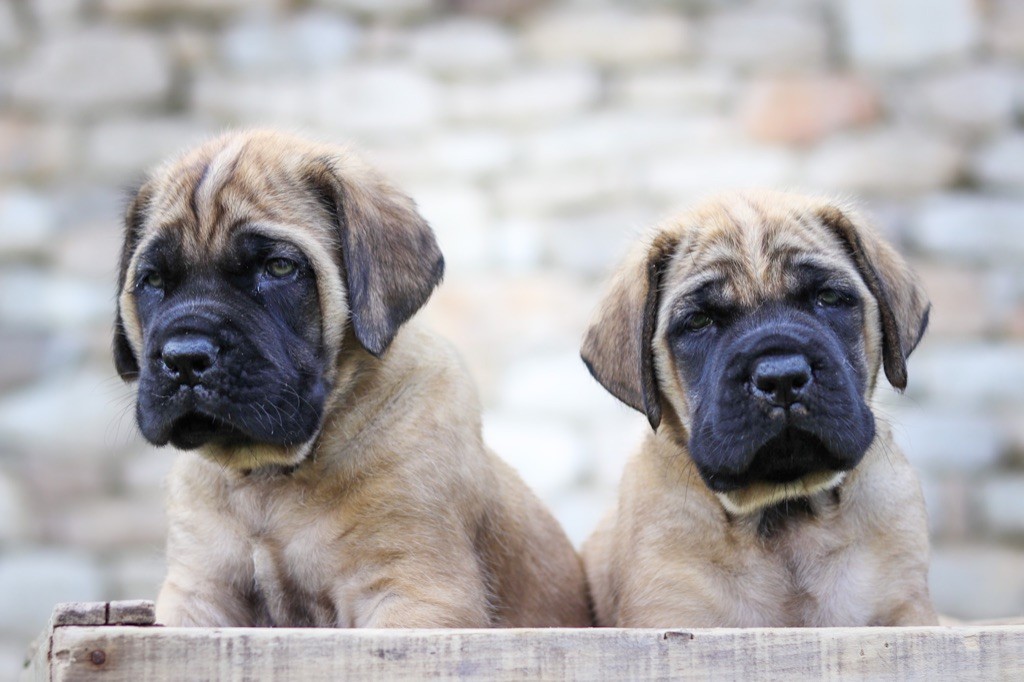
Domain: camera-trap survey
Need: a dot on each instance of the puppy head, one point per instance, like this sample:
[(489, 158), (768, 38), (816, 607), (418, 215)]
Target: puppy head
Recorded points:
[(758, 323), (247, 264)]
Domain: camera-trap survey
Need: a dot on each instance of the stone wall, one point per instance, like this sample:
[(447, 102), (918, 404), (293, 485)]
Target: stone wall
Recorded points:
[(538, 138)]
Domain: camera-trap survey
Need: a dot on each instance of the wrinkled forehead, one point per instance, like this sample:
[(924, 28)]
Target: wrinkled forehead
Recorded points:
[(213, 192), (753, 252)]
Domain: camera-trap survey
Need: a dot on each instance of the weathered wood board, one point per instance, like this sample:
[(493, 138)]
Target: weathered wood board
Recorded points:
[(141, 652)]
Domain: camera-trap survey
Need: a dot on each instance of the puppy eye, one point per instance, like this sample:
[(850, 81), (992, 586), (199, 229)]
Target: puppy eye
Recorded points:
[(154, 280), (697, 321), (829, 297), (280, 267)]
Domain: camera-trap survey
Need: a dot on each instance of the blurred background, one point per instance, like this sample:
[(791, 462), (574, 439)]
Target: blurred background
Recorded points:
[(539, 138)]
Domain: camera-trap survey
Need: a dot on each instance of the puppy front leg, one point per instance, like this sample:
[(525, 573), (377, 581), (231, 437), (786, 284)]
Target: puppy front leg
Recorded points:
[(185, 602), (411, 596), (209, 573), (396, 610), (914, 611)]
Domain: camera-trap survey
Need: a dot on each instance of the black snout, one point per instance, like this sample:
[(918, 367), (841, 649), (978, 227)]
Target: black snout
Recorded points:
[(781, 379), (188, 357)]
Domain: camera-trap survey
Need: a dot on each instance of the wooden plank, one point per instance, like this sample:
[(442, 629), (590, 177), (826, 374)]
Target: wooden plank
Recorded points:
[(142, 653), (79, 613), (76, 614), (131, 612)]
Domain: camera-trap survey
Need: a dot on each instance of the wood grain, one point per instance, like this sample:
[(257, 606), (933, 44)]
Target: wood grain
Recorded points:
[(137, 653)]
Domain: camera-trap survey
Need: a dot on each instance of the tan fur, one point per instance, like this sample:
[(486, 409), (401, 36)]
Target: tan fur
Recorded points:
[(672, 553), (396, 514)]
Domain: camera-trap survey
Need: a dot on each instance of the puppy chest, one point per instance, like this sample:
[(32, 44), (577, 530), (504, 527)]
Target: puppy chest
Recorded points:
[(296, 552), (824, 584), (294, 582)]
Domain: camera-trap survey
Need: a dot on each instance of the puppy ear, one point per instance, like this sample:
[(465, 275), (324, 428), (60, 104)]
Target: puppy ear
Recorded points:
[(902, 303), (617, 348), (391, 259), (125, 362)]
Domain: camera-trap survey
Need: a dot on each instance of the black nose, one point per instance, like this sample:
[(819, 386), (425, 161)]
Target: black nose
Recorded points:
[(781, 379), (188, 357)]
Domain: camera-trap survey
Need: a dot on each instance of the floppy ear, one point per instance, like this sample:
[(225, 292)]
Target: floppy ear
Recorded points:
[(390, 256), (125, 362), (617, 347), (902, 302)]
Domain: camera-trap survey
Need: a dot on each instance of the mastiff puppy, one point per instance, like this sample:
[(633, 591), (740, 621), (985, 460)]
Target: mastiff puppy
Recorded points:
[(334, 473), (751, 332)]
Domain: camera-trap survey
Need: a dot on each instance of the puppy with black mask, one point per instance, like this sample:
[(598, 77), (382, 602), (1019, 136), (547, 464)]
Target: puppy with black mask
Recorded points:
[(334, 473), (751, 332)]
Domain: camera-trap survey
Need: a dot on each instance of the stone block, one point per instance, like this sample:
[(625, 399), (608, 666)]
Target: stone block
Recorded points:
[(382, 9), (191, 47), (579, 510), (27, 223), (310, 40), (525, 97), (591, 243), (1002, 504), (542, 310), (13, 652), (121, 148), (143, 471), (879, 34), (264, 99), (460, 216), (27, 355), (57, 15), (977, 100), (611, 441), (137, 575), (970, 228), (609, 35), (50, 478), (1004, 28), (72, 417), (378, 101), (36, 579), (547, 453), (16, 522), (109, 523), (674, 88), (947, 441), (470, 152), (92, 252), (36, 299), (696, 172), (35, 150), (615, 138), (895, 162), (961, 301), (985, 374), (94, 70), (464, 47), (762, 38), (948, 502), (1006, 296), (997, 164), (152, 10), (801, 110), (373, 101), (548, 191), (518, 245), (1013, 426), (557, 385), (11, 29), (977, 581)]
